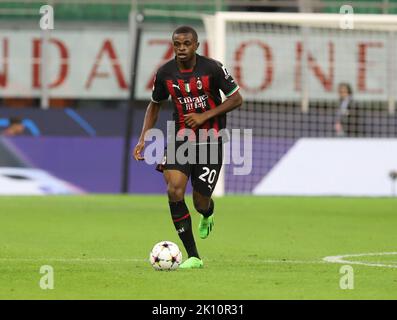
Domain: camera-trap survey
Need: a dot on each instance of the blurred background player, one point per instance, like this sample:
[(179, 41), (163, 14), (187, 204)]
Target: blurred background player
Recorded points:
[(346, 115), (15, 128), (191, 77)]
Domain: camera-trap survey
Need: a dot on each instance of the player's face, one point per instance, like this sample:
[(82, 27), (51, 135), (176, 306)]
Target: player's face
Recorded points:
[(185, 46)]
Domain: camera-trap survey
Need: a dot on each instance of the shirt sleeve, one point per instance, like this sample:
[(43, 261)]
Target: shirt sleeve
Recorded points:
[(225, 81), (159, 91)]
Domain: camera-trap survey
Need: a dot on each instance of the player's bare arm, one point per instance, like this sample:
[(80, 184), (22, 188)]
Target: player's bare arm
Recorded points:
[(150, 120), (194, 120)]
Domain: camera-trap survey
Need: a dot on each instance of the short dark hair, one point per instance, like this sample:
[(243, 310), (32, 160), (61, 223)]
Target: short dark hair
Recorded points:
[(15, 120), (347, 86), (186, 29)]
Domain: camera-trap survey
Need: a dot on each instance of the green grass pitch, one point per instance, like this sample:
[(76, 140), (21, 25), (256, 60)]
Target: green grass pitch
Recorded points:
[(261, 248)]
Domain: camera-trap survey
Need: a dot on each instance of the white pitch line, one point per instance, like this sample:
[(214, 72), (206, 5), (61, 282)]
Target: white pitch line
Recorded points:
[(71, 260), (330, 259), (291, 261), (341, 259), (121, 260)]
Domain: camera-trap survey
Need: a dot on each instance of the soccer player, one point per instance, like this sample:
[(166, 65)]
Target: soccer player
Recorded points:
[(193, 82), (15, 128)]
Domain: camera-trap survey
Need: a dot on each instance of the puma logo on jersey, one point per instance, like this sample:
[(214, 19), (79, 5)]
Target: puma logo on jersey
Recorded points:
[(187, 87)]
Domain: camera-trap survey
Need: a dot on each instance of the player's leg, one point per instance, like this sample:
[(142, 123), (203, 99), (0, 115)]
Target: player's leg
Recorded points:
[(205, 206), (176, 186), (204, 178)]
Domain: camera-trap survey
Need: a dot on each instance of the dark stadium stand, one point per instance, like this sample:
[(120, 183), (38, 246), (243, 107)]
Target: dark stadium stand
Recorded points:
[(363, 6), (118, 11), (114, 12), (80, 122)]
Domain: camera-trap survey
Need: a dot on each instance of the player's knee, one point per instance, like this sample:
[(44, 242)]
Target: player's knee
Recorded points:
[(175, 193)]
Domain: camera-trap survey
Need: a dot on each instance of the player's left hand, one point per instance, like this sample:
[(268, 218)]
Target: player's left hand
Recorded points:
[(194, 120)]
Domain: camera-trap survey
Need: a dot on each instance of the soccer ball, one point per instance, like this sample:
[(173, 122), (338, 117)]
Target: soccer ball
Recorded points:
[(165, 255)]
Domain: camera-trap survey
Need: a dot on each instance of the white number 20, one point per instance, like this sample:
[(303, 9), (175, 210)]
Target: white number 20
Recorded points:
[(210, 173)]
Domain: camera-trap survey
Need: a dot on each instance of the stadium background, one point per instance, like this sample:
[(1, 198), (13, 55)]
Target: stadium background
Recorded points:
[(262, 247), (75, 130)]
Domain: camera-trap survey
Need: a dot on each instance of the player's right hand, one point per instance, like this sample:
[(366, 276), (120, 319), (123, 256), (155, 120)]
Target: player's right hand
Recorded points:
[(137, 151)]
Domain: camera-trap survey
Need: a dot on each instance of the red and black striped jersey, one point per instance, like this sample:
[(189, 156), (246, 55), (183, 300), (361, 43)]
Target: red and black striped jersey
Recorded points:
[(195, 90)]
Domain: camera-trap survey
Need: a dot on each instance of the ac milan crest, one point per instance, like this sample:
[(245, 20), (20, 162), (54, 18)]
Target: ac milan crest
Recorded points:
[(199, 84)]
